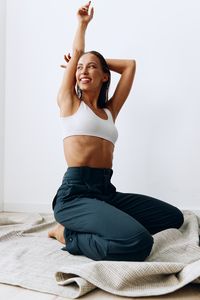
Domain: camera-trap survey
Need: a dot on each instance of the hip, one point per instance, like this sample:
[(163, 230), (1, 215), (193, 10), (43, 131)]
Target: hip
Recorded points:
[(85, 181)]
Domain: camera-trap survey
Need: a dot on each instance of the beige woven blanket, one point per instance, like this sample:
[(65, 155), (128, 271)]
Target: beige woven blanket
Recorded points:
[(30, 259)]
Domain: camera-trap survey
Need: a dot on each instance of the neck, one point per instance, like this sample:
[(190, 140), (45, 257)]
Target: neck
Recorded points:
[(90, 98)]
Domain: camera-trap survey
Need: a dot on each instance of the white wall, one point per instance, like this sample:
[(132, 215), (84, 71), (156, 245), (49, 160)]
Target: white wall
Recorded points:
[(157, 152), (2, 94)]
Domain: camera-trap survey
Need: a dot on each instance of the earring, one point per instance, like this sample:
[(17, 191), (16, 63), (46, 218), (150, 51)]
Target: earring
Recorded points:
[(79, 92)]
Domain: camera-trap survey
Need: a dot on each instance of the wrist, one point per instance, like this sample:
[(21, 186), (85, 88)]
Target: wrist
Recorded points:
[(83, 25)]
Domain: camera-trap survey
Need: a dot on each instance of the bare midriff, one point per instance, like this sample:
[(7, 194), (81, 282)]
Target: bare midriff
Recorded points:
[(88, 151)]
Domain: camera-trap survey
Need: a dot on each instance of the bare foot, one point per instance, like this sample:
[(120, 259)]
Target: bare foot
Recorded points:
[(57, 233)]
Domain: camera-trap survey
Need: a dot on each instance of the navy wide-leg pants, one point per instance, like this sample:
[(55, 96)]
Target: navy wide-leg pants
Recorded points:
[(104, 224)]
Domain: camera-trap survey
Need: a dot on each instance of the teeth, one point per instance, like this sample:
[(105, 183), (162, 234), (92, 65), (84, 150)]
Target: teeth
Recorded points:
[(85, 80)]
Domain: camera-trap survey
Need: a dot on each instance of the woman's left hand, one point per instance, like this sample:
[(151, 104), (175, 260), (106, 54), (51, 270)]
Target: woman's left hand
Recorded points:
[(83, 13)]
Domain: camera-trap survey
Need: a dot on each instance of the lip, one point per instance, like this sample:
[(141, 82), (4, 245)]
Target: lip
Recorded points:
[(85, 79)]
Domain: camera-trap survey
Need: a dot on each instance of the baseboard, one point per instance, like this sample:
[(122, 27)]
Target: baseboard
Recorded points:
[(28, 207)]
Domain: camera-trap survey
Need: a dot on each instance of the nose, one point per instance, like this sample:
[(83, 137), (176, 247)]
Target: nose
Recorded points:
[(84, 70)]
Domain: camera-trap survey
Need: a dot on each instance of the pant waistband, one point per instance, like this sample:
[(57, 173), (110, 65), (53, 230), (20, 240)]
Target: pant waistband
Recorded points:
[(88, 172)]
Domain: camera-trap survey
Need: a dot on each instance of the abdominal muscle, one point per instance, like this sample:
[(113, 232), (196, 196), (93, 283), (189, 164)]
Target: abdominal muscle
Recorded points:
[(88, 151)]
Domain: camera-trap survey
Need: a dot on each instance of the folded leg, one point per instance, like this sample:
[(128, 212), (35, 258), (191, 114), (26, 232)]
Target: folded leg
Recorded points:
[(101, 231), (155, 215)]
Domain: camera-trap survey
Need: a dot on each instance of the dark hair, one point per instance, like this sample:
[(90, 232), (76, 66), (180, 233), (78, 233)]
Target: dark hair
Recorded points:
[(103, 95)]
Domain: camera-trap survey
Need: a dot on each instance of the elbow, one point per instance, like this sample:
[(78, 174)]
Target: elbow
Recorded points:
[(131, 66), (133, 63)]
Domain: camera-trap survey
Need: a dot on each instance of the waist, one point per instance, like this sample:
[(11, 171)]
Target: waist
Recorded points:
[(88, 151), (88, 173)]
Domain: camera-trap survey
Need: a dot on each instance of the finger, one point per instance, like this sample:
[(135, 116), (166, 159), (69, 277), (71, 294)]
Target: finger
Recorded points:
[(83, 11), (68, 57), (88, 4), (91, 12), (65, 57), (85, 8)]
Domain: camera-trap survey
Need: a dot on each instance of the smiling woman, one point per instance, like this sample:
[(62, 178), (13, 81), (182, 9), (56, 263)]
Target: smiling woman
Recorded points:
[(94, 62), (93, 218)]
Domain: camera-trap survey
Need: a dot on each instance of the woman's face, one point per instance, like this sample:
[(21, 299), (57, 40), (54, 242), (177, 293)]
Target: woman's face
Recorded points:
[(89, 73)]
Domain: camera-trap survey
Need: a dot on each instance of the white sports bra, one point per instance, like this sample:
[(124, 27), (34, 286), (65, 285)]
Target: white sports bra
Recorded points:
[(85, 122)]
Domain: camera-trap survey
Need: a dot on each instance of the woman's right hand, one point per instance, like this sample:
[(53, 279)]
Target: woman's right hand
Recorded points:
[(83, 13), (67, 59)]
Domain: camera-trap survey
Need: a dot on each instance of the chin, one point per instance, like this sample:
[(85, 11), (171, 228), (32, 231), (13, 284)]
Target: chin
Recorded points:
[(85, 88)]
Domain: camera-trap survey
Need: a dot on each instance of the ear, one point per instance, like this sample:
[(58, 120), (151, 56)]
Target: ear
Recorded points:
[(105, 77)]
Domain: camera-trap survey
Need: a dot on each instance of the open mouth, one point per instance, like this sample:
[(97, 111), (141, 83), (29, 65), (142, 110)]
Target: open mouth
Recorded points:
[(85, 80)]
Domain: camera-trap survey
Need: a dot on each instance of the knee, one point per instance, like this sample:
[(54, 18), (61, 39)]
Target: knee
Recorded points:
[(140, 247), (144, 246), (136, 248), (178, 219)]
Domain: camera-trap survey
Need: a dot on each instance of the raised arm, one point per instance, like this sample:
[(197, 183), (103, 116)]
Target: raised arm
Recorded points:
[(126, 68), (67, 89)]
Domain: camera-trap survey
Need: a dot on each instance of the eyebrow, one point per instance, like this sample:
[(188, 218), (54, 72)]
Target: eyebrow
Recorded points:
[(91, 62)]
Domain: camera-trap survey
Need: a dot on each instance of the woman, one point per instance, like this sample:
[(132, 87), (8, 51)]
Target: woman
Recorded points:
[(93, 218)]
